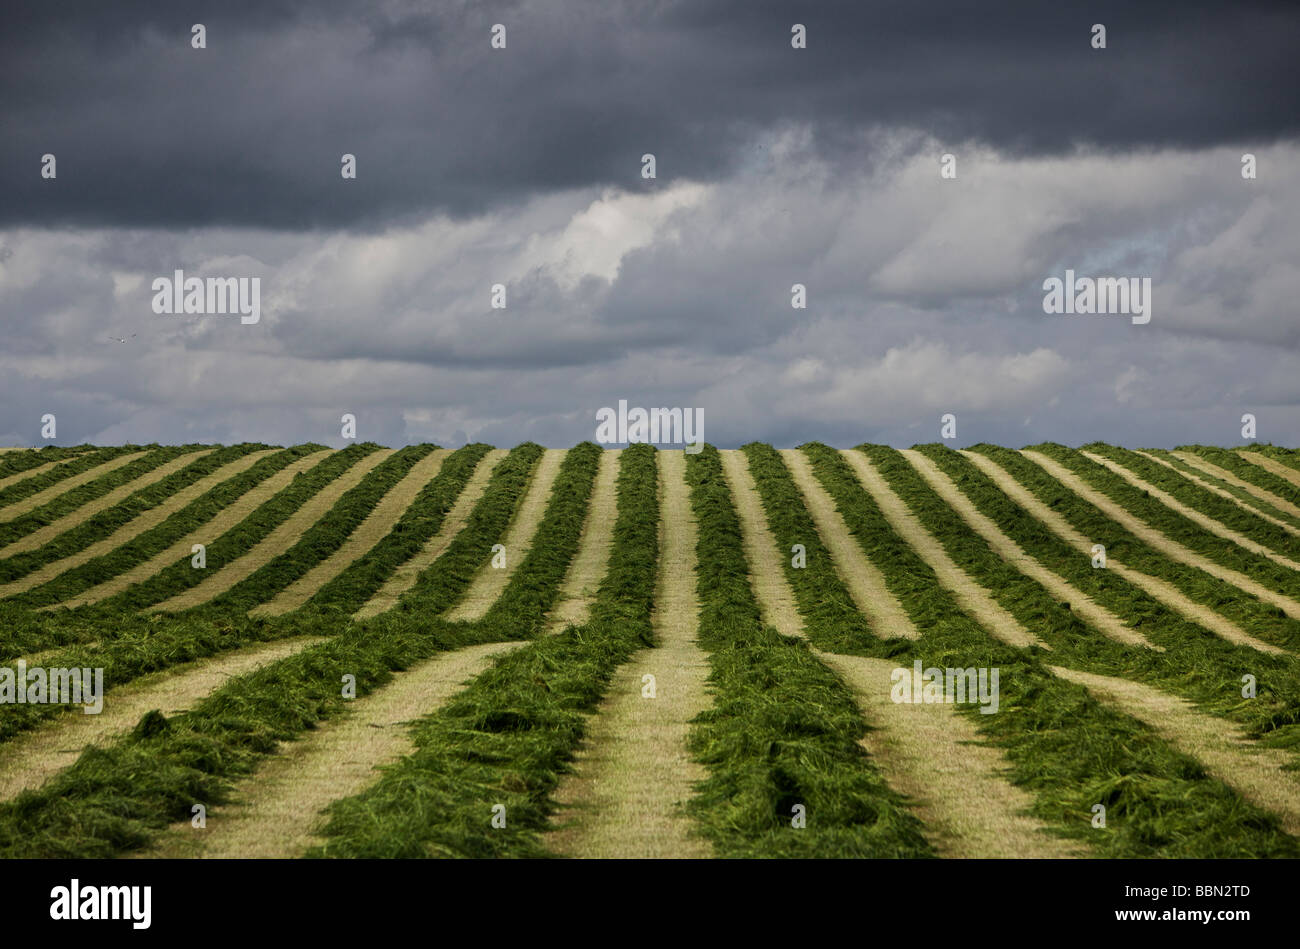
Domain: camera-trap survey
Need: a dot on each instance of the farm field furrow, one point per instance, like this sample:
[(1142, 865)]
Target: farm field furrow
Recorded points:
[(277, 542), (136, 526), (406, 575), (705, 654), (972, 597), (222, 521), (491, 580), (1156, 587), (634, 772), (1158, 540), (378, 523), (1210, 524)]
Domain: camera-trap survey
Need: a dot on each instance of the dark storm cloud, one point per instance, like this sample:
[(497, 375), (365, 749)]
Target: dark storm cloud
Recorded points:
[(923, 300), (148, 131)]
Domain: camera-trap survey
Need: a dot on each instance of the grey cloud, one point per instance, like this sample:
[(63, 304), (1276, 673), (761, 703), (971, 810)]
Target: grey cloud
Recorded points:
[(250, 130), (688, 305), (777, 167)]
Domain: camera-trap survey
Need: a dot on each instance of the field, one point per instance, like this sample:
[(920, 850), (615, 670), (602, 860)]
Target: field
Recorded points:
[(426, 652)]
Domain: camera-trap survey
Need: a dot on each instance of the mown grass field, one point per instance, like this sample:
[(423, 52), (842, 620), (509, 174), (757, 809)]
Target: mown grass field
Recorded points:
[(585, 653)]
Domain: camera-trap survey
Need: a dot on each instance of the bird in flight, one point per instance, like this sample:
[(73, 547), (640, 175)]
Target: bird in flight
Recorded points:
[(121, 339)]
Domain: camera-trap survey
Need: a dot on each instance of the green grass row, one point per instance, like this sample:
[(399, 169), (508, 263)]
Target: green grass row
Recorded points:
[(782, 730), (442, 584), (24, 630), (129, 644), (1068, 750), (178, 526), (521, 609), (520, 612), (115, 798), (1261, 507), (1173, 525), (1287, 456), (238, 540), (518, 735), (140, 647), (421, 520), (832, 620), (436, 590), (1199, 498), (71, 501), (103, 524), (507, 737), (323, 537), (16, 462), (1232, 462), (74, 465), (1195, 664), (1262, 619)]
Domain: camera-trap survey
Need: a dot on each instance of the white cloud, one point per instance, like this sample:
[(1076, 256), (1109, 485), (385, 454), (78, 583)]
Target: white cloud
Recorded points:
[(923, 298)]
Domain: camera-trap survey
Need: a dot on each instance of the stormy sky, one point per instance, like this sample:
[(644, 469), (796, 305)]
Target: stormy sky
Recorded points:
[(522, 166)]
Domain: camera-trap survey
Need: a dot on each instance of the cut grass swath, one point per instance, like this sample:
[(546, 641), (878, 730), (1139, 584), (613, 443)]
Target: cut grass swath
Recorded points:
[(147, 553), (1193, 593), (116, 797), (32, 489), (244, 536), (1135, 506), (506, 738), (1065, 748), (123, 521), (19, 465), (633, 770), (1194, 662), (492, 578), (1222, 519), (64, 499), (419, 522), (783, 730)]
